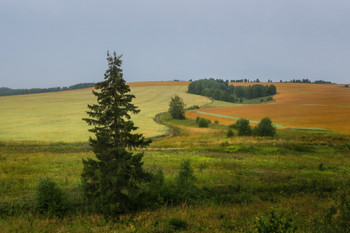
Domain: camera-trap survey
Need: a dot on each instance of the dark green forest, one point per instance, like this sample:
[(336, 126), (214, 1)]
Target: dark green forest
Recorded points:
[(5, 91), (221, 90)]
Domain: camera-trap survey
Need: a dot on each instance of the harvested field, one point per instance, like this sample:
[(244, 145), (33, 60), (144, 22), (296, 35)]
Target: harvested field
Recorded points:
[(325, 106)]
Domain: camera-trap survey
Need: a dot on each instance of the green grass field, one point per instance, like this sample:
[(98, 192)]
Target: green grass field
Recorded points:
[(55, 117), (248, 177)]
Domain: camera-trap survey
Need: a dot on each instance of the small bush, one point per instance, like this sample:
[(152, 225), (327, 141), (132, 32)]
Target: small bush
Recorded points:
[(321, 167), (193, 107), (216, 122), (185, 183), (347, 85), (243, 127), (232, 126), (276, 224), (153, 193), (202, 166), (230, 133), (337, 218), (225, 143), (50, 198), (265, 128), (203, 123), (177, 224)]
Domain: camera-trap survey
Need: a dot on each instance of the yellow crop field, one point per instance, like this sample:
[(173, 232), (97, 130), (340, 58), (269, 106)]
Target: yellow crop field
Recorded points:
[(57, 116), (159, 83), (324, 106)]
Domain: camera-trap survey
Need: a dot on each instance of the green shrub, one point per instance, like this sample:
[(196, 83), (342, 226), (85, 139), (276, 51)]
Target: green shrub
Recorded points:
[(177, 224), (243, 127), (276, 224), (193, 107), (230, 133), (50, 198), (337, 218), (321, 167), (15, 208), (225, 143), (347, 85), (216, 122), (186, 188), (265, 128), (203, 123), (153, 193)]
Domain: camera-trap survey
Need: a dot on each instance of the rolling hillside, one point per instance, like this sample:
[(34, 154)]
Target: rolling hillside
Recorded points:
[(57, 116), (315, 106)]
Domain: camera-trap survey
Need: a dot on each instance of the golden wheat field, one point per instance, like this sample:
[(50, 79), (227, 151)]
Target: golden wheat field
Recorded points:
[(322, 106), (57, 116)]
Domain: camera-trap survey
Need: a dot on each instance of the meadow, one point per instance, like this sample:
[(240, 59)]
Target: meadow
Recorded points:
[(317, 106), (240, 180)]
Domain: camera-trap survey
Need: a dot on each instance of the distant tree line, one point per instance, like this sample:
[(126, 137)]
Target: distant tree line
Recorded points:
[(307, 81), (5, 91), (246, 80), (219, 89)]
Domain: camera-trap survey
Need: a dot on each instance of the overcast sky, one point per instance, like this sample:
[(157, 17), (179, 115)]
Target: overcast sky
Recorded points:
[(46, 43)]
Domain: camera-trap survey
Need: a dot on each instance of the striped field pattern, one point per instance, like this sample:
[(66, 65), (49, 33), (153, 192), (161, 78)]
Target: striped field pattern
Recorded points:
[(320, 106)]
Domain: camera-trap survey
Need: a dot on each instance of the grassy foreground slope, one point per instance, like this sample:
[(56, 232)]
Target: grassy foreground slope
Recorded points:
[(57, 116), (325, 106), (299, 173)]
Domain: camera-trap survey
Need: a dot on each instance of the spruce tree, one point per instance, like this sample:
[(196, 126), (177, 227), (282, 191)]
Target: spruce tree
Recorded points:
[(112, 181)]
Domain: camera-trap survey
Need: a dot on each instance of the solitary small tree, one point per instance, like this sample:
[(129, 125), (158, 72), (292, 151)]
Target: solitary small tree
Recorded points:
[(230, 133), (112, 181), (177, 107), (243, 127), (203, 123), (265, 128)]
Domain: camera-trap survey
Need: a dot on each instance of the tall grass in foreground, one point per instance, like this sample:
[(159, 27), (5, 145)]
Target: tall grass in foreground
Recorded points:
[(237, 180)]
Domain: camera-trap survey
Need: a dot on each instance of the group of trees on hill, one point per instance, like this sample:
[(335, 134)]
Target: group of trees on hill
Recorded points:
[(5, 91), (264, 128), (221, 90)]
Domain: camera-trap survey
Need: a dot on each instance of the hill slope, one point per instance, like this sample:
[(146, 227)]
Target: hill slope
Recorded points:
[(57, 116), (325, 106)]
